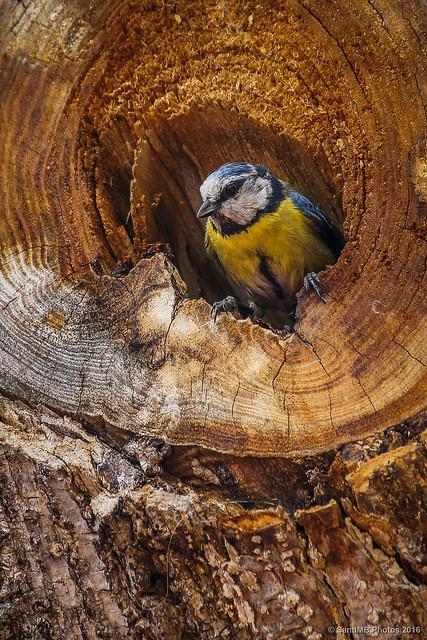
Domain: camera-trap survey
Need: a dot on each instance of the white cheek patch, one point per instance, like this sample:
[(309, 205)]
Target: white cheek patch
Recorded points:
[(252, 197)]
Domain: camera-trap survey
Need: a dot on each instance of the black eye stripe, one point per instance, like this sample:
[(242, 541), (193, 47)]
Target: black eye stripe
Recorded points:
[(231, 189)]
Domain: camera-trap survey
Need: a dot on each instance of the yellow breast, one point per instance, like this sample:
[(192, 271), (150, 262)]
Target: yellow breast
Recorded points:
[(286, 238)]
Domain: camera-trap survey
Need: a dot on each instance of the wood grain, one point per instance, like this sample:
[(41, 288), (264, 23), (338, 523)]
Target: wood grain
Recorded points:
[(99, 94), (91, 545)]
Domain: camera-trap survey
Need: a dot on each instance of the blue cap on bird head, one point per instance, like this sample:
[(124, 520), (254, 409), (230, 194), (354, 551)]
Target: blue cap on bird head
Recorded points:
[(231, 170)]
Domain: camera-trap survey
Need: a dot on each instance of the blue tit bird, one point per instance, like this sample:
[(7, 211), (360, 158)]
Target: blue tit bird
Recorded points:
[(270, 239)]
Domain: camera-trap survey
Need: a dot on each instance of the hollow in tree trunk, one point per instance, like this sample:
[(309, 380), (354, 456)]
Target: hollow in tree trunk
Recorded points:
[(164, 476)]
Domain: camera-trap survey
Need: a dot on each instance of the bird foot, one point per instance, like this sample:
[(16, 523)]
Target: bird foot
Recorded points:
[(227, 304), (311, 281), (256, 311), (284, 332)]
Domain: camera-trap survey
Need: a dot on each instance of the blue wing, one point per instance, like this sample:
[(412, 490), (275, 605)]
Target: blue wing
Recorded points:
[(329, 233)]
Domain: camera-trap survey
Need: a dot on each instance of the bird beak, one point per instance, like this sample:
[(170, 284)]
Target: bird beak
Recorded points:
[(207, 208)]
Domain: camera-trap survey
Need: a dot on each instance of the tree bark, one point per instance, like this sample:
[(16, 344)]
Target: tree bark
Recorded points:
[(164, 476)]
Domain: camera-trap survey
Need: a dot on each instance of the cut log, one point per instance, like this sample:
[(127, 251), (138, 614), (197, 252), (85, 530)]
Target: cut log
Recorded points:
[(111, 116), (105, 147)]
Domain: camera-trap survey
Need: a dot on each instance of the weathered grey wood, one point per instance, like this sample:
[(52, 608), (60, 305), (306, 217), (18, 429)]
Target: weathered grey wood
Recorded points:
[(91, 547)]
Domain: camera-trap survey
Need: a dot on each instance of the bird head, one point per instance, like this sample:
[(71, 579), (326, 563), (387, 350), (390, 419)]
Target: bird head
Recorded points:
[(236, 194)]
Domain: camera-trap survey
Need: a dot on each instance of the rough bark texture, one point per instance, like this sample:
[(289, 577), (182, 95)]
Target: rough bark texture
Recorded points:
[(293, 500)]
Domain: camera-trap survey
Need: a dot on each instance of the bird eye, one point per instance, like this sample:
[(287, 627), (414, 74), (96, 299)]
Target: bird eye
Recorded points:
[(230, 190)]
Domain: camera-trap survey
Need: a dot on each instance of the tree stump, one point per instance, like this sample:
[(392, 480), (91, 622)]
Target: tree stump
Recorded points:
[(164, 476)]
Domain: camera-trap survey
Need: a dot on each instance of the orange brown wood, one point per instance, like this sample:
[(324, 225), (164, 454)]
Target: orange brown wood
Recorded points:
[(110, 118)]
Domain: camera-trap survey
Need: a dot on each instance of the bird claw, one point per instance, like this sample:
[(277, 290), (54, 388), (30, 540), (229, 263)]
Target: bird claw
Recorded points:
[(284, 332), (311, 281), (227, 304), (255, 310)]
